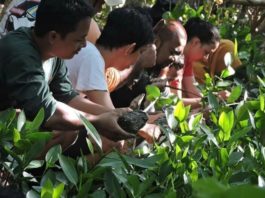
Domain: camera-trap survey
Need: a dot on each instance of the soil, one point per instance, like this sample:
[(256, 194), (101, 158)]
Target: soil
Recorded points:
[(133, 121)]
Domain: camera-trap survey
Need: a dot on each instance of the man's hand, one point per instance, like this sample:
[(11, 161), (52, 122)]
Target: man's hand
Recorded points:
[(149, 132), (223, 95), (107, 125)]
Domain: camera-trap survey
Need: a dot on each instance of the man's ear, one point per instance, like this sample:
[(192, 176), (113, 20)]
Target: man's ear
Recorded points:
[(157, 42), (52, 37), (130, 48)]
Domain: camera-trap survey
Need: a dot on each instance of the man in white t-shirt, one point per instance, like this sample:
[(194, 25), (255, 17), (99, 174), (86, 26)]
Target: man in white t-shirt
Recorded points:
[(127, 33)]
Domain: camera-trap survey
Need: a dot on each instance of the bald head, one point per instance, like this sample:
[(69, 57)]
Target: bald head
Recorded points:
[(169, 30), (170, 41)]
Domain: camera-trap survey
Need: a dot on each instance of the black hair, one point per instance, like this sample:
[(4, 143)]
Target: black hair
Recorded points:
[(205, 31), (159, 8), (61, 16), (127, 25)]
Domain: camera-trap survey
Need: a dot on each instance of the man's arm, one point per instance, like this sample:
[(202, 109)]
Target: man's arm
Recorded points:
[(189, 89), (100, 97), (66, 118)]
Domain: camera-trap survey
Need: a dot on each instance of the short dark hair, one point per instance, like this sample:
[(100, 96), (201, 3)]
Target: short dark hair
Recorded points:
[(205, 31), (127, 25), (61, 16)]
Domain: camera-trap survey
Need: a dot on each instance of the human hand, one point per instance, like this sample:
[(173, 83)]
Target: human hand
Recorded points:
[(136, 102), (149, 132), (108, 145), (223, 95), (107, 125)]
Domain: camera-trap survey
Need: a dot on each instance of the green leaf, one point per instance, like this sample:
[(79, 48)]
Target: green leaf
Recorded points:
[(36, 123), (35, 164), (145, 185), (112, 185), (213, 101), (223, 84), (239, 134), (180, 111), (16, 136), (114, 160), (53, 155), (68, 169), (22, 146), (21, 120), (171, 120), (97, 194), (194, 121), (224, 156), (34, 151), (47, 189), (229, 71), (226, 123), (152, 92), (261, 81), (39, 136), (90, 146), (186, 138), (85, 189), (262, 102), (58, 190), (235, 94), (32, 194), (167, 15), (91, 130), (235, 157), (248, 37), (209, 134), (133, 184), (252, 120)]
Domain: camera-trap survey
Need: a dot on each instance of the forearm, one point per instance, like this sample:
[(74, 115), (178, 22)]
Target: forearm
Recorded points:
[(67, 118), (87, 106), (100, 97), (189, 89), (193, 102)]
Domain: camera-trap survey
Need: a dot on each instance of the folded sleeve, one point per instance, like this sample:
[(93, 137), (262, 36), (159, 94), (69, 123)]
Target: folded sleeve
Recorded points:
[(60, 85), (27, 87)]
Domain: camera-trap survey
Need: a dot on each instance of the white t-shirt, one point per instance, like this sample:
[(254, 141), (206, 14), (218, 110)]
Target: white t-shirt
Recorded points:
[(87, 69)]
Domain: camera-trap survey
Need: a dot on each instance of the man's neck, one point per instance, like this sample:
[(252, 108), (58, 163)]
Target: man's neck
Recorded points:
[(108, 56), (43, 46)]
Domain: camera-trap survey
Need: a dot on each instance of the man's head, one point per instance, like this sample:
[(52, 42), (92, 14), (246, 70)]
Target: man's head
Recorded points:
[(129, 30), (203, 38), (65, 24), (170, 41)]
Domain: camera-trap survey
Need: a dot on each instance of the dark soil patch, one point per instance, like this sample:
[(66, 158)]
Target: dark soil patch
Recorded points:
[(133, 121)]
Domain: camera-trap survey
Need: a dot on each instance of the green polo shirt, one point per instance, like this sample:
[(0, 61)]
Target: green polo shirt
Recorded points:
[(28, 83)]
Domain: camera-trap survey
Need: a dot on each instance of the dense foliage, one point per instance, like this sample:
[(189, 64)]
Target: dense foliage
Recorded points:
[(219, 152)]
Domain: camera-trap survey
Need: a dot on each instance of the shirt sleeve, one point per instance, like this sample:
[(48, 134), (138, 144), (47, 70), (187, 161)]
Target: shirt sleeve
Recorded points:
[(113, 78), (28, 89), (60, 84), (91, 74)]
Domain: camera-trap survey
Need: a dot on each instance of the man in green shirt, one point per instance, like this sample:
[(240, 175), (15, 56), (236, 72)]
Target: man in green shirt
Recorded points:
[(33, 74)]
